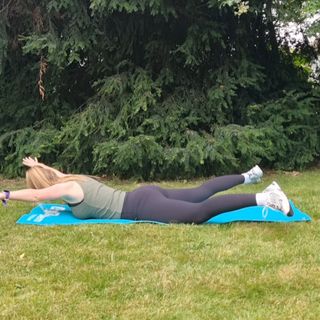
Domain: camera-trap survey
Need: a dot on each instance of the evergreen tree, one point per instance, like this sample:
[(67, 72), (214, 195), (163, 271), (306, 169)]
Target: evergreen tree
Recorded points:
[(153, 89)]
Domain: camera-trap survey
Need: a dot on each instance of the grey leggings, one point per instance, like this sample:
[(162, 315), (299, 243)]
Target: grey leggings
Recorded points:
[(185, 205)]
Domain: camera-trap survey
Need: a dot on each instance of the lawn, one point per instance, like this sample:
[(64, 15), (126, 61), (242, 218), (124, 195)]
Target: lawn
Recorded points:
[(235, 271)]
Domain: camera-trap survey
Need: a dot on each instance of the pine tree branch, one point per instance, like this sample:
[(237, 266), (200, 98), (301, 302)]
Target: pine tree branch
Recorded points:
[(5, 7)]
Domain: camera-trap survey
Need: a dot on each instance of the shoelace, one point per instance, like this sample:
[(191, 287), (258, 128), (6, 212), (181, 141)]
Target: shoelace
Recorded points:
[(274, 202)]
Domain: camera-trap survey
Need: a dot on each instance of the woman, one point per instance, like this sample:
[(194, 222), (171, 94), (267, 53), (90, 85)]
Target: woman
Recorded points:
[(89, 198)]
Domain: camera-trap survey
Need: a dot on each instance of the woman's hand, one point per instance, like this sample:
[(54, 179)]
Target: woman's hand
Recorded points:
[(30, 162)]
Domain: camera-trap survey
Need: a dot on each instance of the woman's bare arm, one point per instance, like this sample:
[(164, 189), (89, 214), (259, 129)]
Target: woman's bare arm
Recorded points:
[(67, 191)]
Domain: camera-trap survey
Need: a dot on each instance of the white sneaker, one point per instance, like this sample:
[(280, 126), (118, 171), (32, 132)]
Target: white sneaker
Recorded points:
[(272, 187), (253, 176), (276, 199), (276, 189)]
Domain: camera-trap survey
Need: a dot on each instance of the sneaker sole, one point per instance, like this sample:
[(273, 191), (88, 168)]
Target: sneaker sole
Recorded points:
[(290, 213), (286, 206), (259, 171)]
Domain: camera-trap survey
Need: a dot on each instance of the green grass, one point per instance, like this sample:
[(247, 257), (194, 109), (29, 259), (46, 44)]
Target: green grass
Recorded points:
[(236, 271)]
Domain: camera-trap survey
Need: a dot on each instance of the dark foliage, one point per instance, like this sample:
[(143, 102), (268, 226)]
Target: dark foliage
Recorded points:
[(152, 89)]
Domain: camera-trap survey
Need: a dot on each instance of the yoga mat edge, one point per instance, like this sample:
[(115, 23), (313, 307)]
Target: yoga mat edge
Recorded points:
[(58, 214)]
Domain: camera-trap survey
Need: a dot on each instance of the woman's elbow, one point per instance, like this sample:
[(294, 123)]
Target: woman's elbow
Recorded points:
[(38, 196), (37, 199)]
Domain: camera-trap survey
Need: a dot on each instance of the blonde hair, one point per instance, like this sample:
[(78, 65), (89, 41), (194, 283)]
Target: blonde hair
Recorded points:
[(38, 178)]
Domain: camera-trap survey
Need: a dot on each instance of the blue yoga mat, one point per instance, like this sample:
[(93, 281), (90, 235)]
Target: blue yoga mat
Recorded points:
[(58, 214)]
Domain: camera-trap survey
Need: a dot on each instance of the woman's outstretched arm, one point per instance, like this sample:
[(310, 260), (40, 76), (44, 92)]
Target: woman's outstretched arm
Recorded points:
[(64, 191), (31, 162)]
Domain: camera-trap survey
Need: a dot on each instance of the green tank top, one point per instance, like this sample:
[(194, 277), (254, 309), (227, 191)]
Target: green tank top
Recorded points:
[(99, 202)]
